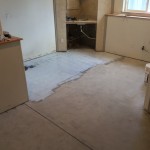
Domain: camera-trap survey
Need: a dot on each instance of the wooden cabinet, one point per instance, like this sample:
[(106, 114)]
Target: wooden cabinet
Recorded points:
[(13, 88)]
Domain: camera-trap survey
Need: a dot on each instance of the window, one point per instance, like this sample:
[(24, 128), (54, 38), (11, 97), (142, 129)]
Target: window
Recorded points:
[(139, 6), (149, 7)]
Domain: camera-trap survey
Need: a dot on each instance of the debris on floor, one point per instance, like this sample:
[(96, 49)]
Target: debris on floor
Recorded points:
[(29, 67)]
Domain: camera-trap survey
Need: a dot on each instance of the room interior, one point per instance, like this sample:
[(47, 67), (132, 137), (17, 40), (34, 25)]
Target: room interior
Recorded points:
[(75, 74)]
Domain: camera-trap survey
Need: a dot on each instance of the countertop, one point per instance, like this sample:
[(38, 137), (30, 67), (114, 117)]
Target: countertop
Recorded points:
[(10, 40), (82, 22), (129, 16)]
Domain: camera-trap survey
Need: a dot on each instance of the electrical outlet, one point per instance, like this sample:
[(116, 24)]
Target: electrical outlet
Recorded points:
[(143, 48), (62, 40)]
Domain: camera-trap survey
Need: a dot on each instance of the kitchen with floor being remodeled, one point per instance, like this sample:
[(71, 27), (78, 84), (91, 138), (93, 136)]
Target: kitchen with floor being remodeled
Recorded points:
[(74, 75)]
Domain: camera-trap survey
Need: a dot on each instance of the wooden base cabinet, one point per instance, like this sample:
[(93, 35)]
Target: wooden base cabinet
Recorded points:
[(13, 88)]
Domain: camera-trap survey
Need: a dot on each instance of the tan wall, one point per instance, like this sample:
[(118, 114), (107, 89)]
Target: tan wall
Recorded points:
[(73, 4), (104, 7), (89, 9), (73, 8), (73, 13), (33, 20), (60, 17), (118, 4), (126, 36)]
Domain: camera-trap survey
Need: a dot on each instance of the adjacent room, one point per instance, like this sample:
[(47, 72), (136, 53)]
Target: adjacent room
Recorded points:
[(75, 74)]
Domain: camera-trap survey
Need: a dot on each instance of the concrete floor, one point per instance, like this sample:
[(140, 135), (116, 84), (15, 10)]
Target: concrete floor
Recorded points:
[(102, 110)]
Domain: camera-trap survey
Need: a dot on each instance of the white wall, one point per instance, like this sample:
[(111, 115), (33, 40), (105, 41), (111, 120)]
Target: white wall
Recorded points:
[(33, 20), (126, 36)]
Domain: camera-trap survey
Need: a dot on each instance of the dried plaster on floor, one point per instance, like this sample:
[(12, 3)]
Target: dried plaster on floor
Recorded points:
[(82, 73), (58, 68)]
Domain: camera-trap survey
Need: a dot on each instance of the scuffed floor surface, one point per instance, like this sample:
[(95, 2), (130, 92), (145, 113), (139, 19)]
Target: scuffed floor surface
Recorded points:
[(53, 70), (102, 110)]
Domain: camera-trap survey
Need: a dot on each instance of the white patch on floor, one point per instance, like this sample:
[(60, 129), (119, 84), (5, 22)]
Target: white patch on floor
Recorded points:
[(57, 68)]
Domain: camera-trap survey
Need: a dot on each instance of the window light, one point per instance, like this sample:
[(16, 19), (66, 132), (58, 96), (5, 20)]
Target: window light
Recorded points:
[(138, 6)]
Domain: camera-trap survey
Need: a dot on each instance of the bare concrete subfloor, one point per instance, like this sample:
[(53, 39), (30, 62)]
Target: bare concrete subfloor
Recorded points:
[(103, 110)]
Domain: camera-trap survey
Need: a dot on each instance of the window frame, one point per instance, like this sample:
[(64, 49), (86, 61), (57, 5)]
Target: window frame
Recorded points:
[(136, 12)]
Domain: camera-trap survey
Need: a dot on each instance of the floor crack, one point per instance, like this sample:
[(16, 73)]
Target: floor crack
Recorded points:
[(55, 124)]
